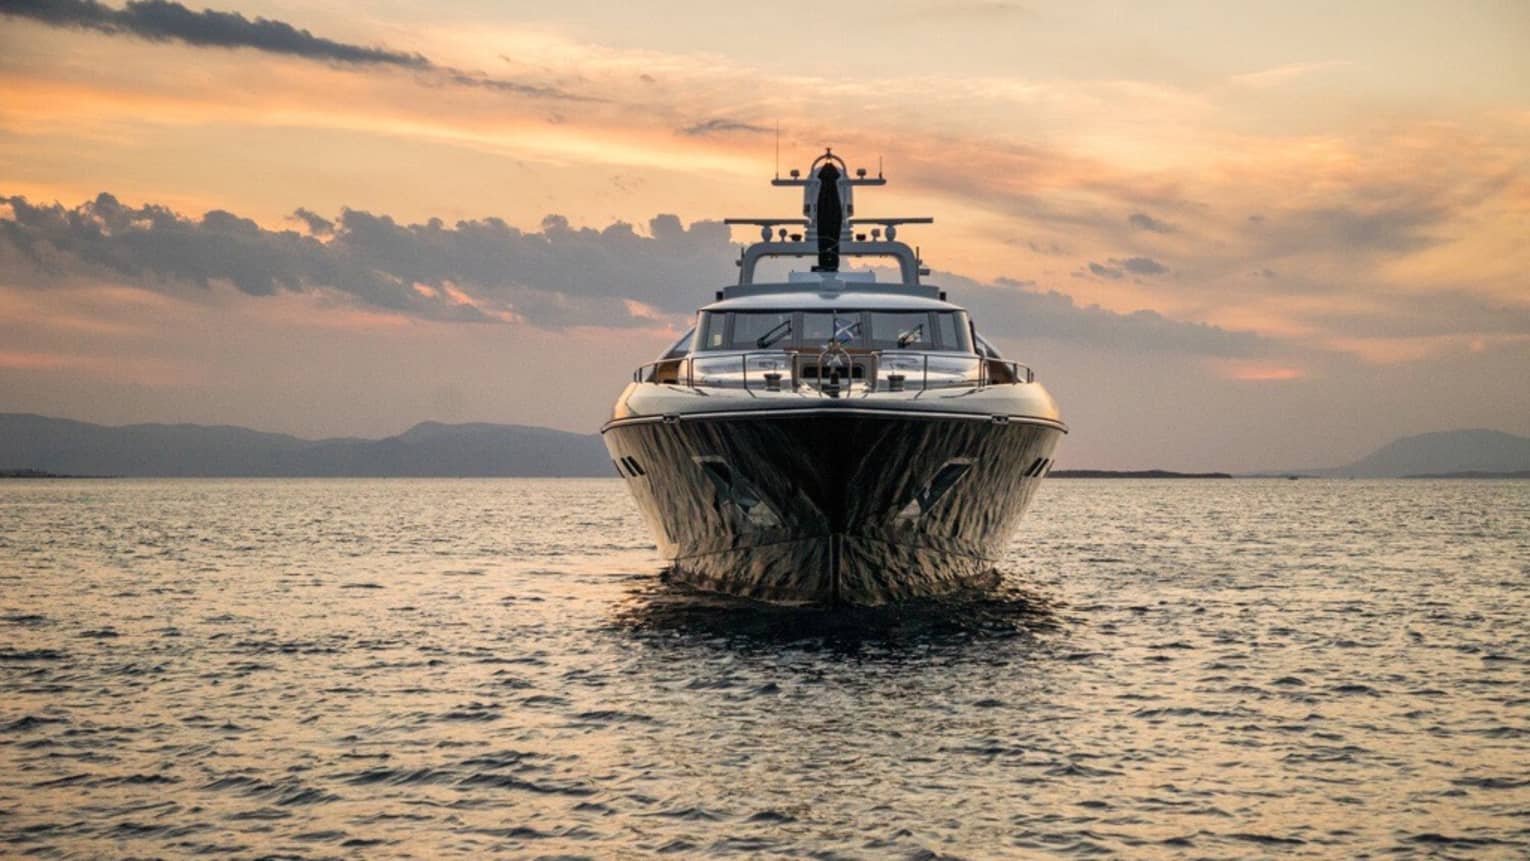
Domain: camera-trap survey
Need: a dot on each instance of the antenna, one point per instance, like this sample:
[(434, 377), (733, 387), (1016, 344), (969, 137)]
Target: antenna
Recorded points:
[(879, 165), (778, 148)]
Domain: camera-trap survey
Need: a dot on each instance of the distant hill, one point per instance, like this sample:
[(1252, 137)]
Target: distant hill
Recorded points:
[(1523, 473), (38, 444), (1442, 453), (32, 442), (1136, 473)]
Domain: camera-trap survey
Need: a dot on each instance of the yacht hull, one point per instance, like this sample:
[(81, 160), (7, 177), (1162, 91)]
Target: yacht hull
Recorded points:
[(831, 505)]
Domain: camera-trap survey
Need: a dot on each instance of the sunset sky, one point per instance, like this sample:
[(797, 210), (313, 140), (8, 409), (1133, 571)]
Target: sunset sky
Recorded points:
[(1227, 235)]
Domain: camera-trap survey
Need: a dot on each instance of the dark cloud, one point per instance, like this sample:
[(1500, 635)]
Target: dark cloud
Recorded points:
[(474, 270), (1115, 268), (1143, 221), (165, 21), (721, 126), (480, 270), (317, 224), (1141, 265), (160, 20), (500, 85)]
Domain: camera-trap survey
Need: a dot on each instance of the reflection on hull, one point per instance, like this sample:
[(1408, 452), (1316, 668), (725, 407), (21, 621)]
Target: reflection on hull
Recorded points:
[(832, 506)]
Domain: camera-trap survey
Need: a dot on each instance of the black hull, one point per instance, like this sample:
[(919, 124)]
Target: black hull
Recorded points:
[(832, 507)]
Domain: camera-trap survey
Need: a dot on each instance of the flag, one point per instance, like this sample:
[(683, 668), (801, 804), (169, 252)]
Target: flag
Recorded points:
[(846, 331)]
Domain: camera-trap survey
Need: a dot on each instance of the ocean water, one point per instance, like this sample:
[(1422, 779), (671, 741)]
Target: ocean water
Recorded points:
[(398, 668)]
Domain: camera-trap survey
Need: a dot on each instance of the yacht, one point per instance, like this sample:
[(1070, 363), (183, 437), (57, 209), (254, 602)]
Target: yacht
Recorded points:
[(830, 436)]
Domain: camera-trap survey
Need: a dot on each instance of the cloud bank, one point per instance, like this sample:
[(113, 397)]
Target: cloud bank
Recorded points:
[(160, 20), (485, 270), (481, 270), (165, 21)]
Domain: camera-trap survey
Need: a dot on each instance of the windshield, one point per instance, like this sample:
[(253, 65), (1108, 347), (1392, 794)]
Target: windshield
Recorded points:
[(903, 330), (937, 331), (750, 329)]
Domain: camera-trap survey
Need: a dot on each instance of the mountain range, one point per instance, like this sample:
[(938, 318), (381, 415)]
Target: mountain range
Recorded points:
[(1443, 453), (67, 447)]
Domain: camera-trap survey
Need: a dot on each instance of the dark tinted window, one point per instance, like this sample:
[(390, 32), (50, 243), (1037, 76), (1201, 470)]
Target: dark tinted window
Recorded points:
[(811, 330), (713, 331), (901, 330), (953, 331), (749, 328), (820, 328)]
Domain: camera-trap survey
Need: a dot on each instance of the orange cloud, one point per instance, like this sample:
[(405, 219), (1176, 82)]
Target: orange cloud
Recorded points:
[(117, 368), (1028, 178), (1254, 371)]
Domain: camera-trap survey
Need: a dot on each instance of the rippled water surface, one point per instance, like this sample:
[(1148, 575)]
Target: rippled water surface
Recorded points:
[(430, 668)]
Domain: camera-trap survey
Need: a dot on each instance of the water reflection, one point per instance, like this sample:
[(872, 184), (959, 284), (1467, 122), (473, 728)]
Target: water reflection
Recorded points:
[(444, 668), (658, 610)]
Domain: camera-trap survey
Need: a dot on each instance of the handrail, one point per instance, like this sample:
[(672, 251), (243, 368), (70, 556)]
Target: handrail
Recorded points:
[(1014, 370)]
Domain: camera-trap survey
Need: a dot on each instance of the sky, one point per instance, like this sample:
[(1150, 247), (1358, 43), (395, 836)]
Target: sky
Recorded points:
[(1247, 236)]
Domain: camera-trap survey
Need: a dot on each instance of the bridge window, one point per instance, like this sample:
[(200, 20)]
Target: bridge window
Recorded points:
[(901, 330), (819, 328), (761, 331), (714, 331), (945, 331), (955, 334)]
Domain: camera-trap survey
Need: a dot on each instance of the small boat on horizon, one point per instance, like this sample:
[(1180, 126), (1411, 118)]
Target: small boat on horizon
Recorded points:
[(830, 438)]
